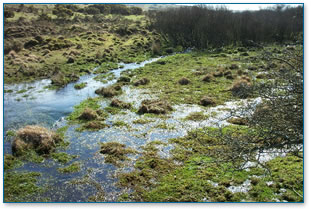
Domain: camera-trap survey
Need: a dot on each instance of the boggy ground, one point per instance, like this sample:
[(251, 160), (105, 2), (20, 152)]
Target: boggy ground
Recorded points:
[(196, 168), (193, 168), (39, 44)]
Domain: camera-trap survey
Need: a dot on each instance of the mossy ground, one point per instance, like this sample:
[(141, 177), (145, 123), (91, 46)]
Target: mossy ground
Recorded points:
[(62, 157), (88, 44), (11, 162), (76, 50), (203, 177), (92, 103), (19, 187), (80, 86), (115, 153), (164, 78), (72, 168)]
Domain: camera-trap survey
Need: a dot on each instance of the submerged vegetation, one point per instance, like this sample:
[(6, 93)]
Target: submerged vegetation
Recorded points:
[(218, 120)]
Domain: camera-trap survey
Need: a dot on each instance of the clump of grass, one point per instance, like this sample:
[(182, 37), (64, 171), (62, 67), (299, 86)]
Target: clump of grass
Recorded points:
[(92, 126), (184, 81), (197, 116), (21, 91), (164, 126), (142, 121), (8, 91), (121, 124), (113, 110), (120, 104), (80, 85), (155, 107), (109, 91), (10, 133), (36, 138), (62, 157), (91, 103), (74, 167), (115, 153)]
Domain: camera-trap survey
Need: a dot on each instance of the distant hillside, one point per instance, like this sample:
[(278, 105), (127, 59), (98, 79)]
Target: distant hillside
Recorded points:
[(147, 7)]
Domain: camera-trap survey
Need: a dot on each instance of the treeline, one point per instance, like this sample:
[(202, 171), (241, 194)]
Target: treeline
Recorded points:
[(201, 26)]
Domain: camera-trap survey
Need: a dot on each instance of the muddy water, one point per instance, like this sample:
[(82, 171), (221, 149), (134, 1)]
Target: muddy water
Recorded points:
[(49, 107)]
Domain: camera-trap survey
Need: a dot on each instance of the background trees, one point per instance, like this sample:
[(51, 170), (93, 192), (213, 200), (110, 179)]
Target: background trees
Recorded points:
[(202, 26)]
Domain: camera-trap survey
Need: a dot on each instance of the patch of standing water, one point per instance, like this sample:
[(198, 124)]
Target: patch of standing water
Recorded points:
[(44, 106)]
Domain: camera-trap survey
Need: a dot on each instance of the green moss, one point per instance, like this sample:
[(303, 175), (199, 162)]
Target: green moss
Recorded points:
[(80, 85), (92, 103), (121, 124), (113, 110), (115, 153), (62, 157), (62, 131), (74, 167), (10, 133), (142, 121), (62, 134), (32, 156), (19, 187), (164, 125), (11, 162), (8, 91), (183, 65), (286, 173), (197, 116), (92, 126), (21, 91)]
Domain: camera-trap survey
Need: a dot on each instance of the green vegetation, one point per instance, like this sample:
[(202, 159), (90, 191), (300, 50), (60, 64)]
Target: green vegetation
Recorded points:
[(89, 114), (62, 157), (204, 177), (11, 162), (10, 133), (195, 66), (74, 167), (121, 124), (164, 126), (7, 91), (80, 85), (81, 41), (115, 153), (19, 187), (32, 156), (92, 103), (142, 121), (231, 65), (197, 116), (21, 91)]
